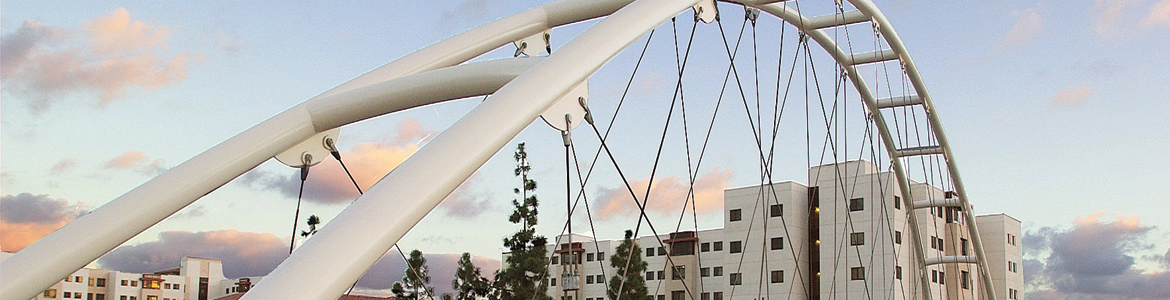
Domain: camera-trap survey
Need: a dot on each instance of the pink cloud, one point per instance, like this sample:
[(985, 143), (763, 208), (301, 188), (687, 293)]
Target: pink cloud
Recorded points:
[(62, 167), (1072, 96), (26, 218), (1107, 14), (666, 196), (107, 56), (1159, 14), (136, 161), (1027, 28)]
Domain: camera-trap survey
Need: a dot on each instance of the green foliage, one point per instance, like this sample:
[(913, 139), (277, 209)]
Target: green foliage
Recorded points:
[(415, 279), (313, 222), (468, 282), (631, 286), (527, 265)]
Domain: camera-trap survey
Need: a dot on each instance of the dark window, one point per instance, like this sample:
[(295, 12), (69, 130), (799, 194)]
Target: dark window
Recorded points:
[(717, 296), (705, 272), (661, 251), (589, 279), (601, 256), (934, 276), (718, 271), (963, 243), (857, 273), (682, 248), (736, 278), (897, 202), (898, 272), (678, 295), (556, 259), (600, 279), (705, 247), (661, 275), (736, 247), (101, 282), (735, 215), (589, 257), (717, 246), (777, 243), (778, 276), (552, 282), (933, 242), (661, 297), (897, 237), (705, 296), (650, 275), (680, 273), (942, 277), (203, 283), (857, 238), (963, 280), (857, 204), (776, 210), (649, 252)]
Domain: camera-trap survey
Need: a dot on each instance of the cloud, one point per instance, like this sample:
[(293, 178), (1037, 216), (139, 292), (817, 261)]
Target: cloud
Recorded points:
[(242, 253), (1159, 14), (62, 167), (328, 183), (666, 197), (1107, 14), (467, 12), (1071, 96), (1027, 28), (106, 56), (26, 218), (465, 203), (1095, 259), (136, 161)]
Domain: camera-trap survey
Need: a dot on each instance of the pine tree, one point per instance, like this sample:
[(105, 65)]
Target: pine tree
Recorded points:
[(527, 264), (634, 287), (313, 221), (415, 278), (468, 282)]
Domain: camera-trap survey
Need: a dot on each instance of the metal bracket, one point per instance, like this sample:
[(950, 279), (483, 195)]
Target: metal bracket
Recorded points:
[(751, 14), (569, 107), (533, 45), (311, 151), (706, 11)]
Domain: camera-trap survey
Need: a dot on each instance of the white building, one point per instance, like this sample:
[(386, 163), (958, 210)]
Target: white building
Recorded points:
[(195, 279), (845, 236)]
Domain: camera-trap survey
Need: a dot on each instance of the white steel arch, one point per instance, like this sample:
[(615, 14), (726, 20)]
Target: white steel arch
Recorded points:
[(526, 87)]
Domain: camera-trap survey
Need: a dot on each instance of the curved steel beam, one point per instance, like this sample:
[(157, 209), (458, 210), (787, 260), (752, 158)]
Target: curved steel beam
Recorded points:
[(70, 248), (358, 236)]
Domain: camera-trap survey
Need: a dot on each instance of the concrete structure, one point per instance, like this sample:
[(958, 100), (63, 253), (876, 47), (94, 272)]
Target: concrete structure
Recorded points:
[(194, 279), (846, 235)]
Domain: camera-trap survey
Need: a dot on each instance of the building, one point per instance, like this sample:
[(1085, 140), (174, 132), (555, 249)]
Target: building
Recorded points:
[(846, 235), (195, 279)]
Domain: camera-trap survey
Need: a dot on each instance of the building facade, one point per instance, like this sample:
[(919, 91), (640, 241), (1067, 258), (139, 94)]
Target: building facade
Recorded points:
[(845, 235), (195, 279)]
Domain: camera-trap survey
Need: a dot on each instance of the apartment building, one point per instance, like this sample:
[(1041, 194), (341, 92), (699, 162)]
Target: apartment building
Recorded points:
[(195, 279)]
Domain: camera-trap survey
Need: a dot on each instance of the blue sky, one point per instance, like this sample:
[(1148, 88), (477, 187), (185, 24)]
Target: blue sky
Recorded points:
[(1055, 112)]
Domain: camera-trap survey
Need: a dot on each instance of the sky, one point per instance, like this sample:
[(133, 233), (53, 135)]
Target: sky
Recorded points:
[(1054, 111)]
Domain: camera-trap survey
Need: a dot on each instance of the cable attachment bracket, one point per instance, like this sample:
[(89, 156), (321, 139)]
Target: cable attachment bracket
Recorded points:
[(533, 45), (569, 111), (751, 13), (706, 11), (311, 151), (566, 135)]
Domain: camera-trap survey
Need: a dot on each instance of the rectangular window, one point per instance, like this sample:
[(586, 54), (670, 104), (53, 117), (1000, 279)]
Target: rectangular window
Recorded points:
[(91, 283), (556, 259), (134, 283), (125, 282), (857, 204), (650, 275), (589, 257), (76, 279), (735, 215), (705, 296), (777, 243), (661, 297), (963, 244), (151, 297), (67, 295), (777, 276), (50, 293), (857, 238), (99, 296), (600, 279), (705, 247), (166, 286), (897, 202), (101, 282), (661, 251), (649, 252), (601, 256), (942, 277), (718, 271), (736, 278), (898, 272), (963, 280), (934, 276), (705, 272), (857, 273), (680, 273), (589, 279), (776, 210), (552, 282), (736, 247), (717, 246), (661, 275), (123, 297), (933, 242), (940, 245), (898, 237), (678, 295), (717, 296)]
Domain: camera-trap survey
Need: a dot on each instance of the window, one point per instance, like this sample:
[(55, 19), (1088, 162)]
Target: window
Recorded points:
[(175, 286), (125, 282), (934, 276), (898, 237), (857, 273), (166, 286), (589, 257), (661, 275), (777, 243), (680, 273), (134, 283), (940, 244), (152, 297), (705, 272), (67, 295), (50, 293), (717, 246), (897, 202), (649, 252), (776, 210), (942, 277), (661, 251), (650, 275), (736, 278), (101, 282), (717, 296), (661, 297), (123, 297), (600, 256), (718, 271), (99, 296), (736, 247), (552, 282), (933, 242), (963, 278), (778, 276), (735, 215), (678, 295), (589, 279), (963, 243), (600, 279), (857, 238), (898, 272), (68, 279), (76, 278), (857, 204), (556, 259), (705, 296), (705, 247)]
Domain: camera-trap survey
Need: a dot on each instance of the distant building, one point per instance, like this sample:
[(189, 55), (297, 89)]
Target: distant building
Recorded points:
[(195, 279), (844, 237)]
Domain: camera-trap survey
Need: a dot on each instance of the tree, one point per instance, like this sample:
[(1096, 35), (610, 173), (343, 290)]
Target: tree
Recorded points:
[(527, 264), (313, 221), (628, 283), (415, 278), (468, 282)]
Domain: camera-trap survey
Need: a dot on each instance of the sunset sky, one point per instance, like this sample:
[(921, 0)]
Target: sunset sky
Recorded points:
[(1056, 112)]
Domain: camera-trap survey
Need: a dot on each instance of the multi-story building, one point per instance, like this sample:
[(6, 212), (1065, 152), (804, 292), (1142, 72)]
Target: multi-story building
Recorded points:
[(845, 235), (195, 279)]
